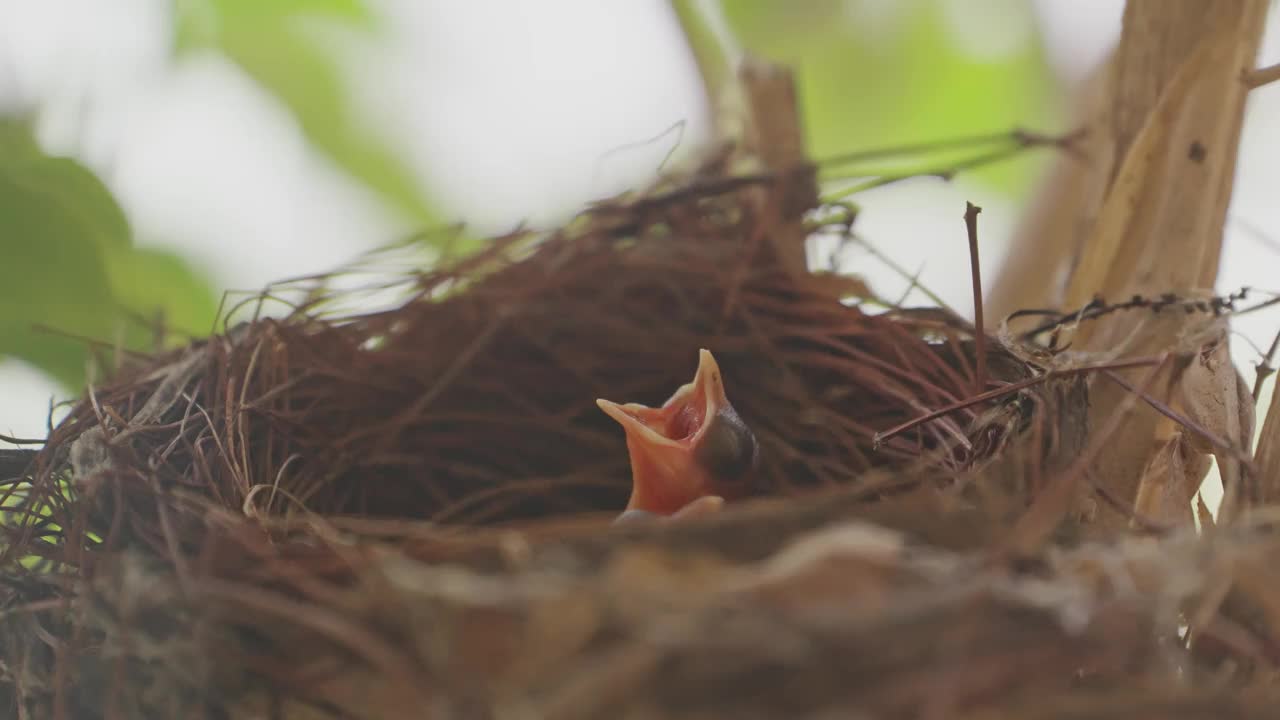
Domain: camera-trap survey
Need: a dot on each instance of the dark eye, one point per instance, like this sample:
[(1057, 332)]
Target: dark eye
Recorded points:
[(728, 448)]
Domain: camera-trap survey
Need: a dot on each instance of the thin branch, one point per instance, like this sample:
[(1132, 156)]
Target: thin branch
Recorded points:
[(971, 226), (1017, 137), (21, 441), (913, 279), (880, 437), (1195, 427), (1265, 369), (1254, 79)]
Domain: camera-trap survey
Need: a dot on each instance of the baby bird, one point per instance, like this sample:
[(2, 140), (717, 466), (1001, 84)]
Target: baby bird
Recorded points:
[(691, 454)]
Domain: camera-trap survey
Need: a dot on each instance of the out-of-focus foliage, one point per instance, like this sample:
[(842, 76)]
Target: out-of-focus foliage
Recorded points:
[(70, 269), (875, 74), (70, 272), (281, 45)]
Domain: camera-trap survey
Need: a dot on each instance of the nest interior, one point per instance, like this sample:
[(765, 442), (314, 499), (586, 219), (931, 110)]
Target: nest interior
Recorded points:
[(404, 512)]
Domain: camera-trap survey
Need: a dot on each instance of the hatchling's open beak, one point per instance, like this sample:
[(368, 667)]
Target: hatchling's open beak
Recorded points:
[(694, 446)]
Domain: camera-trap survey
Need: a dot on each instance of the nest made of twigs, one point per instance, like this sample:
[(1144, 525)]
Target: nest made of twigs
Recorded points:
[(403, 512)]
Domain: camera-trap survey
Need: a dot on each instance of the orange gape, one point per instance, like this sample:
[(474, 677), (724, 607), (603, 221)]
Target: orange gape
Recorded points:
[(689, 455)]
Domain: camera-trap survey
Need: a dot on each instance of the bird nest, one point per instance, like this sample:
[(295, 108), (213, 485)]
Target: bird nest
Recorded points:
[(339, 513)]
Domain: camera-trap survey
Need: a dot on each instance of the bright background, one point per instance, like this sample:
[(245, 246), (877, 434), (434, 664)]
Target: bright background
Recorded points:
[(255, 144)]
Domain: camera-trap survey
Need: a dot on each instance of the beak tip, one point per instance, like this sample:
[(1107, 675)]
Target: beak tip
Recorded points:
[(613, 410), (707, 365)]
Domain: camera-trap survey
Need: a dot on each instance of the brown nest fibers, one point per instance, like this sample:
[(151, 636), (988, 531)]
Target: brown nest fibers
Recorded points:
[(404, 513)]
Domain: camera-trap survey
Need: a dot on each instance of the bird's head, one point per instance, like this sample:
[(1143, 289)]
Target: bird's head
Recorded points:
[(695, 445)]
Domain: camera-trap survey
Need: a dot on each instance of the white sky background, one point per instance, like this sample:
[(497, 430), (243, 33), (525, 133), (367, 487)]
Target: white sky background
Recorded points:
[(537, 99)]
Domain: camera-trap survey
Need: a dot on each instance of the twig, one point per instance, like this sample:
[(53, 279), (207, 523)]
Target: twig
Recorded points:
[(1017, 137), (1265, 368), (1098, 307), (880, 437), (1014, 142), (912, 279), (971, 226), (1253, 79), (1188, 423), (21, 441)]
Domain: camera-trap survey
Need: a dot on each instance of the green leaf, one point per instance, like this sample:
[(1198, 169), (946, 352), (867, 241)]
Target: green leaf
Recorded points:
[(248, 10), (70, 272), (43, 178), (160, 289), (270, 41), (57, 227), (864, 87)]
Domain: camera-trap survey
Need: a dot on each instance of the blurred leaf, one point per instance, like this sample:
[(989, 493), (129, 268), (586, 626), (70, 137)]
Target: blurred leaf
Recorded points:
[(70, 271), (246, 10), (57, 226), (40, 176), (270, 40), (870, 79), (161, 289)]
